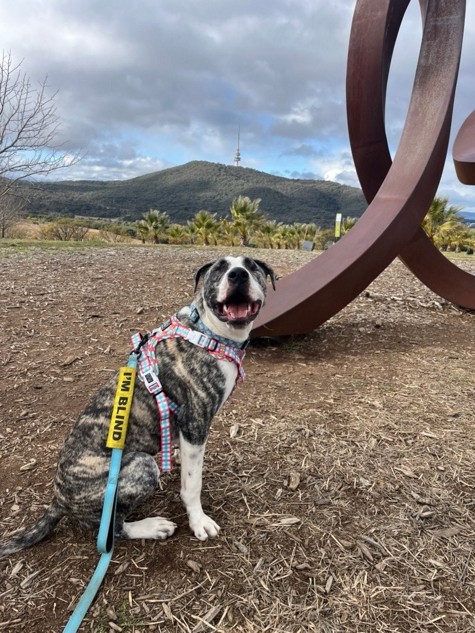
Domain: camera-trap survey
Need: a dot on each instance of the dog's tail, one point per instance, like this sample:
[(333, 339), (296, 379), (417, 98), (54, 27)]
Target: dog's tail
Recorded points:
[(40, 530)]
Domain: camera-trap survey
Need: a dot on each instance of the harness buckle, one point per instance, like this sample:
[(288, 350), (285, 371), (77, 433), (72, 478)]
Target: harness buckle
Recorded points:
[(195, 337), (213, 345), (151, 381), (165, 325)]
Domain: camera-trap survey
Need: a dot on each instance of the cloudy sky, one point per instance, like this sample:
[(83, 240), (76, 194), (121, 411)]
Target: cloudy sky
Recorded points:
[(148, 84)]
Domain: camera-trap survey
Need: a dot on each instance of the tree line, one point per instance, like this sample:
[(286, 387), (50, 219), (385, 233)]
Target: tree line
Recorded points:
[(245, 225)]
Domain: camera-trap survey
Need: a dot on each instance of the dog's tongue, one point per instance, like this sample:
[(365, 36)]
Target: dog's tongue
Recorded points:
[(236, 310)]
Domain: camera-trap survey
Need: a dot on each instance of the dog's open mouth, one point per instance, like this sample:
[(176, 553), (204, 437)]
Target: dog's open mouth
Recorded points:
[(237, 312)]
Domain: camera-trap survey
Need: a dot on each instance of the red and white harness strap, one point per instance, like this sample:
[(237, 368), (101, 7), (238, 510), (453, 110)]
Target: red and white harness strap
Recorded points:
[(148, 371)]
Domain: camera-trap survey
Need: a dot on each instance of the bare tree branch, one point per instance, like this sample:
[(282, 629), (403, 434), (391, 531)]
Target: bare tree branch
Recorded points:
[(28, 127)]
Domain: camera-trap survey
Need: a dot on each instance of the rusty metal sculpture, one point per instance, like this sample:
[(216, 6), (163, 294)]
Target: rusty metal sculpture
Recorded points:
[(399, 191), (464, 151)]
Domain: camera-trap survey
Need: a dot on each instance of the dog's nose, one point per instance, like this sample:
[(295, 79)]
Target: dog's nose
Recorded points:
[(238, 275)]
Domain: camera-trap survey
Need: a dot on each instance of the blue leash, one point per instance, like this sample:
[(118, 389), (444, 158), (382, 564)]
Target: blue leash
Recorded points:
[(105, 537)]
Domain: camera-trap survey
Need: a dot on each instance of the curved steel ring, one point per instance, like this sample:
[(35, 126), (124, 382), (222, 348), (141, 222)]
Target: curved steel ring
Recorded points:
[(399, 192), (420, 255), (464, 151)]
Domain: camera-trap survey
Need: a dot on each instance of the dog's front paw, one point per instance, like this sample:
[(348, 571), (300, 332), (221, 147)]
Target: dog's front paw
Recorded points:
[(156, 528), (204, 527)]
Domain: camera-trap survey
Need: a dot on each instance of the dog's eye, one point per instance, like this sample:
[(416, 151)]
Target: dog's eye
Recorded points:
[(250, 264), (219, 267)]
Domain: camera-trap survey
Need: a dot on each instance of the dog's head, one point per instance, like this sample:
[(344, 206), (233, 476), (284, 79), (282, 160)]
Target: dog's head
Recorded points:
[(233, 293)]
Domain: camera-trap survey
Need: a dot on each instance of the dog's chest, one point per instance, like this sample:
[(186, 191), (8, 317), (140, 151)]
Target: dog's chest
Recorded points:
[(230, 376)]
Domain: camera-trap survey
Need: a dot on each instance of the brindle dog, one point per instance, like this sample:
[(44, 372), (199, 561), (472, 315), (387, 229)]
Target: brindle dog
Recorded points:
[(232, 294)]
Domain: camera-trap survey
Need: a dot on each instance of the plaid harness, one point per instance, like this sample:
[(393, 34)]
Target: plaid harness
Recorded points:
[(148, 370)]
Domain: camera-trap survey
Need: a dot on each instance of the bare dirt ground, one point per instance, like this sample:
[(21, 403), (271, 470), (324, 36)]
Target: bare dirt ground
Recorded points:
[(342, 472)]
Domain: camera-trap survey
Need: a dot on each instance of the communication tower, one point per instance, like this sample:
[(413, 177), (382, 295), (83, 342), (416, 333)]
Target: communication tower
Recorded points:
[(237, 153)]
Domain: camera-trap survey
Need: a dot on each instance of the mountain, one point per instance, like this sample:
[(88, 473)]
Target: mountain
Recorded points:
[(184, 190)]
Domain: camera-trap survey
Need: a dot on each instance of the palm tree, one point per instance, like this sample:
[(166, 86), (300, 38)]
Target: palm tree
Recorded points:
[(142, 231), (347, 224), (206, 225), (324, 239), (246, 217), (309, 231), (446, 228), (228, 233), (301, 233), (458, 238), (287, 236), (177, 234), (267, 232), (278, 239), (294, 235), (154, 225), (441, 219), (191, 232)]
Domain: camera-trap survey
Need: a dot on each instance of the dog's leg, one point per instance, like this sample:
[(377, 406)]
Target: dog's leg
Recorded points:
[(191, 456), (138, 481)]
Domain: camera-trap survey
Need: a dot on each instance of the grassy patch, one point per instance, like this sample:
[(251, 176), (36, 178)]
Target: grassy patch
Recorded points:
[(25, 245), (458, 256)]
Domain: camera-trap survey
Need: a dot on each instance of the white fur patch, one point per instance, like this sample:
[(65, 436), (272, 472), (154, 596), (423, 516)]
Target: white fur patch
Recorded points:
[(155, 528), (230, 374), (191, 457), (255, 291)]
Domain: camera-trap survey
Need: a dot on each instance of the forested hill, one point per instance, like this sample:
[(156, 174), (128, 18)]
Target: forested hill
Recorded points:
[(184, 190)]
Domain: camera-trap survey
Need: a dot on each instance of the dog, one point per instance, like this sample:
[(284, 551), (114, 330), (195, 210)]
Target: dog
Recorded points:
[(231, 294)]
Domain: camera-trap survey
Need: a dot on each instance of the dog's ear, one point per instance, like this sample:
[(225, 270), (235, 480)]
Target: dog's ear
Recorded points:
[(267, 271), (200, 272)]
